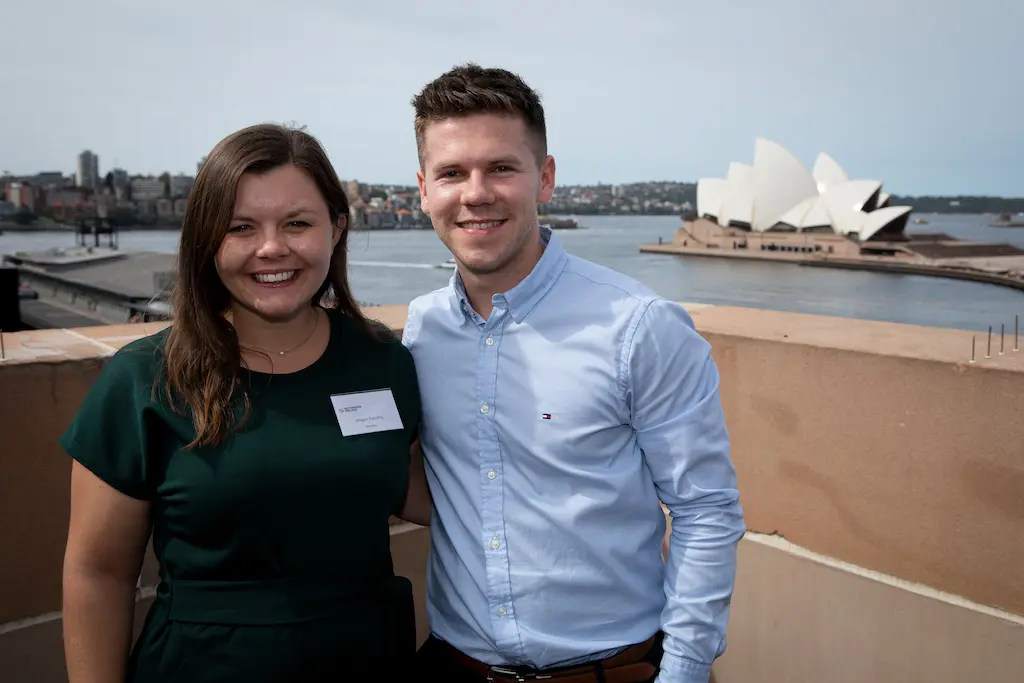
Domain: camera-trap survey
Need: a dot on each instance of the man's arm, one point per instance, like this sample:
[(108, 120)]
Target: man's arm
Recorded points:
[(676, 412)]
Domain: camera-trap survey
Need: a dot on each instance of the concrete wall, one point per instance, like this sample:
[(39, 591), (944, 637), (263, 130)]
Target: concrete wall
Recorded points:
[(879, 450), (880, 445), (800, 617)]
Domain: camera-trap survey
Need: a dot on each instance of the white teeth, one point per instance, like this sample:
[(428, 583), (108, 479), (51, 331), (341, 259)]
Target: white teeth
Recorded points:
[(476, 225), (275, 277)]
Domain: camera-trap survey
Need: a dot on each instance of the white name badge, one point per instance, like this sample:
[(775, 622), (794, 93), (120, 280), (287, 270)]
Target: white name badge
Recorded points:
[(365, 412)]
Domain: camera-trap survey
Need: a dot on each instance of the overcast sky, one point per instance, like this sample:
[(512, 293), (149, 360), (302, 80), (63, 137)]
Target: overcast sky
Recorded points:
[(926, 96)]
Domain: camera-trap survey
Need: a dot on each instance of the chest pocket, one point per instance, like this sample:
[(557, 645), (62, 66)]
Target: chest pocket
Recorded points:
[(564, 407)]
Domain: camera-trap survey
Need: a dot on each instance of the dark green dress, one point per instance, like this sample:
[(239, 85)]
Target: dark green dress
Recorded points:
[(274, 546)]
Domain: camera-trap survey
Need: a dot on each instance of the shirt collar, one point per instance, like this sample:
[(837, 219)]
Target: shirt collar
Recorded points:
[(522, 298)]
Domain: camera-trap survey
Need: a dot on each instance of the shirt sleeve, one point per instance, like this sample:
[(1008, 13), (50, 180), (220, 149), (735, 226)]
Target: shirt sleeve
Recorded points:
[(412, 324), (410, 403), (107, 435), (676, 412)]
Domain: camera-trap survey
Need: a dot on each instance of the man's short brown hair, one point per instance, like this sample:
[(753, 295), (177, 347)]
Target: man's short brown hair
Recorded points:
[(471, 89)]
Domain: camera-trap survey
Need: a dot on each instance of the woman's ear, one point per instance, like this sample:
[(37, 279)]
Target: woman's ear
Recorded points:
[(339, 230)]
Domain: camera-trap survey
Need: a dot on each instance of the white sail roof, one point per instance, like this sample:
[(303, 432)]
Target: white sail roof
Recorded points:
[(879, 220), (780, 182), (710, 194), (827, 171), (777, 189)]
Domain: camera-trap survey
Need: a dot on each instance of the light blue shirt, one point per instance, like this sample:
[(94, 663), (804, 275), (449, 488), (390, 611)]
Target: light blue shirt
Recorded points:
[(551, 430)]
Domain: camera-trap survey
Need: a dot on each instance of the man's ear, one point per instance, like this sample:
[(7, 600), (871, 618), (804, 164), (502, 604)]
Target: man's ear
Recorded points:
[(422, 183)]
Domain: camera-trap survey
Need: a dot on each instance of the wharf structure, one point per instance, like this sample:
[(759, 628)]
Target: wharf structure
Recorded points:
[(776, 210), (91, 282), (880, 471), (83, 286)]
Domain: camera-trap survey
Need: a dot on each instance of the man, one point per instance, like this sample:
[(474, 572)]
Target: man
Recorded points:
[(561, 402)]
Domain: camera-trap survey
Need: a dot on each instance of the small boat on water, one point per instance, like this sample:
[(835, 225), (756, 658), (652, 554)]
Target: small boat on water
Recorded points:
[(1005, 221), (559, 223)]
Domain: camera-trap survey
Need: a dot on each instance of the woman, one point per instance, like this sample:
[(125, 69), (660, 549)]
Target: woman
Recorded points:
[(263, 439)]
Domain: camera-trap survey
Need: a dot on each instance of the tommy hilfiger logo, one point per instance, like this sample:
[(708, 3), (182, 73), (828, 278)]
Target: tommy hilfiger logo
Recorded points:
[(546, 416)]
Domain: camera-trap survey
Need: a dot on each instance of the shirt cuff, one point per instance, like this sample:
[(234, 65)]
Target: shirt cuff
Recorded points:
[(676, 669)]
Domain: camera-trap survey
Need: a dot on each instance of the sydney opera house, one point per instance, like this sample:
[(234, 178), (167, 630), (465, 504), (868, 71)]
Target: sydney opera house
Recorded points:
[(778, 194)]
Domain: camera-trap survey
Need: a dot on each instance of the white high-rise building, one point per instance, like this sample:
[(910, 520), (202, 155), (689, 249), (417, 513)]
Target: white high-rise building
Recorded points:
[(88, 172)]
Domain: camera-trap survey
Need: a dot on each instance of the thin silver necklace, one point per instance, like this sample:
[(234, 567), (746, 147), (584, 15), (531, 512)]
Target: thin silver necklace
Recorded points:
[(316, 323)]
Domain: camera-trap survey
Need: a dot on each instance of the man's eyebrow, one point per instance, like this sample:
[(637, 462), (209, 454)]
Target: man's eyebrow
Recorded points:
[(448, 166), (452, 165)]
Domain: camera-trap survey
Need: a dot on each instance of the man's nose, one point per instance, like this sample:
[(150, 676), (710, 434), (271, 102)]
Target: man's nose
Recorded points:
[(477, 190)]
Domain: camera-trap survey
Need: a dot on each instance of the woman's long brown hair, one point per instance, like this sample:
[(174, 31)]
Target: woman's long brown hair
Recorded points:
[(202, 355)]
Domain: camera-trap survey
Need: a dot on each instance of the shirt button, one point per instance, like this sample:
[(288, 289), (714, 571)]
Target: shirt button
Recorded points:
[(490, 342), (492, 474), (495, 544), (484, 409), (501, 611)]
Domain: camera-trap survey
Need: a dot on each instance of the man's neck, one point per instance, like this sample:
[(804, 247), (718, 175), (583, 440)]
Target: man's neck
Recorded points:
[(480, 289)]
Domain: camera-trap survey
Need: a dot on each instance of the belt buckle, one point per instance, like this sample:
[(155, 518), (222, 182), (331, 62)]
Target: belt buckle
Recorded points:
[(510, 673)]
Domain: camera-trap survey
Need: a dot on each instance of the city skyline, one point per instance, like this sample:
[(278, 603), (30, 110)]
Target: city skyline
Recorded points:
[(918, 95)]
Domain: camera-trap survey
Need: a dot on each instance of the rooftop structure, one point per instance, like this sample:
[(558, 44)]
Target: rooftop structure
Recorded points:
[(93, 285), (882, 542), (778, 193)]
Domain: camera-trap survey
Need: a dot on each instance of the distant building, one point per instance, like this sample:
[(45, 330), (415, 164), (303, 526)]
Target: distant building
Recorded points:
[(88, 170), (49, 180), (69, 204), (119, 177), (164, 208), (180, 185), (148, 189), (22, 195), (778, 193), (68, 197)]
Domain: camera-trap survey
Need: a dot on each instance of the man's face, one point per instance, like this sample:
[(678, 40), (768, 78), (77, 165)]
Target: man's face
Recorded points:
[(480, 183)]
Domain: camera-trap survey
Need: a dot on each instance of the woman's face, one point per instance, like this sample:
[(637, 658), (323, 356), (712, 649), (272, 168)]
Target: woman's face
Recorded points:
[(277, 251)]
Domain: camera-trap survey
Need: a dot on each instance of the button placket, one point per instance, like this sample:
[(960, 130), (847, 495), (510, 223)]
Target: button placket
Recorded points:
[(496, 561)]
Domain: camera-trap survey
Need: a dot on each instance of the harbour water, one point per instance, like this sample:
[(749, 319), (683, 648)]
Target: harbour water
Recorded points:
[(392, 267)]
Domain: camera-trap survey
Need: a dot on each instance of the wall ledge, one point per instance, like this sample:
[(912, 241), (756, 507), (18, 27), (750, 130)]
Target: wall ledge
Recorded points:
[(913, 342), (780, 543)]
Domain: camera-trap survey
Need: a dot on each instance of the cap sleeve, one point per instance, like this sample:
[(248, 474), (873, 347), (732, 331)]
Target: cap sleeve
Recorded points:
[(108, 434), (407, 394)]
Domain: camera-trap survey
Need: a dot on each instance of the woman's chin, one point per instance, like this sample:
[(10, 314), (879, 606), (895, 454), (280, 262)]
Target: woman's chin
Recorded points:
[(275, 310)]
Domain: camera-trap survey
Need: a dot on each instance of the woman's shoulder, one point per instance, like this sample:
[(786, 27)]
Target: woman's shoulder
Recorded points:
[(372, 340), (368, 332)]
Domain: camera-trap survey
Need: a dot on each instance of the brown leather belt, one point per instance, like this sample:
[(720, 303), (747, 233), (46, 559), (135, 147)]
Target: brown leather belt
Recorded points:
[(627, 666)]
